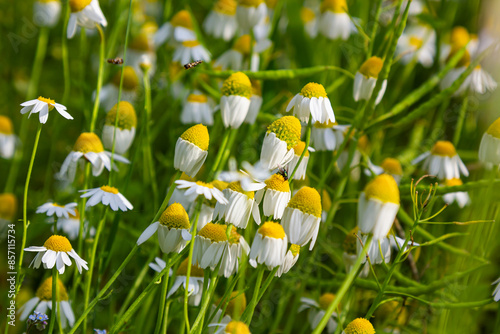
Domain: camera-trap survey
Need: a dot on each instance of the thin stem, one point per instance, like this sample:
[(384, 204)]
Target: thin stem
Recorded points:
[(218, 158), (99, 78), (308, 138), (460, 121), (53, 316), (248, 313), (161, 314), (65, 54), (198, 323)]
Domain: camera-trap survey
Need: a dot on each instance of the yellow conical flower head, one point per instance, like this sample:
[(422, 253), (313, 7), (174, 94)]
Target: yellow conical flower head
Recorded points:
[(50, 102), (307, 200), (444, 148), (130, 79), (250, 3), (256, 87), (295, 249), (350, 240), (326, 125), (227, 7), (307, 15), (336, 6), (127, 119), (190, 44), (175, 216), (237, 300), (300, 147), (58, 243), (149, 27), (182, 19), (197, 135), (392, 166), (6, 125), (8, 206), (44, 291), (359, 326), (197, 98), (384, 188), (494, 129), (214, 232), (313, 89), (242, 45), (372, 67), (184, 177), (78, 5), (236, 186), (453, 182), (88, 142), (287, 129), (221, 185), (272, 230), (326, 201), (416, 42), (277, 182), (237, 84), (325, 300), (109, 189), (236, 327), (459, 37), (141, 42), (196, 271)]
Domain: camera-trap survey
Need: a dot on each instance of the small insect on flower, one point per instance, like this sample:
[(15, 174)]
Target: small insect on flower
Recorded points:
[(115, 61), (283, 172), (192, 64)]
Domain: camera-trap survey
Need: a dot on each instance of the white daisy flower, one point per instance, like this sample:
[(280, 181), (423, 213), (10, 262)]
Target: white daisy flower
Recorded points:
[(359, 326), (178, 195), (255, 102), (231, 327), (249, 13), (251, 177), (179, 29), (52, 209), (235, 248), (309, 18), (291, 257), (275, 196), (269, 246), (210, 244), (140, 51), (366, 78), (173, 229), (281, 137), (378, 205), (459, 38), (317, 311), (189, 51), (389, 166), (489, 149), (442, 161), (221, 21), (191, 150), (109, 93), (461, 197), (324, 136), (312, 101), (417, 42), (496, 292), (7, 138), (241, 204), (238, 57), (198, 108), (43, 301), (108, 196), (235, 100), (46, 13), (85, 13), (43, 106), (300, 174), (124, 133), (194, 189), (335, 23), (56, 251), (208, 206), (89, 146)]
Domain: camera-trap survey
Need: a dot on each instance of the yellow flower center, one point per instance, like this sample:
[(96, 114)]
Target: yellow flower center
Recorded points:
[(127, 119), (326, 125), (313, 89), (444, 148), (359, 326), (234, 236), (494, 129), (372, 67), (336, 6), (237, 84), (277, 182), (130, 79), (175, 216), (197, 135), (350, 240), (242, 45), (8, 206), (141, 42), (50, 102), (325, 300), (250, 3), (287, 129), (384, 188), (392, 166), (6, 125), (44, 291), (196, 271), (149, 27), (256, 88), (453, 182), (88, 142), (416, 42), (295, 249), (184, 177), (272, 230), (236, 300), (76, 215), (182, 19), (299, 148), (236, 186), (197, 98), (214, 232), (307, 200), (109, 189), (326, 201), (58, 243), (307, 14), (459, 37), (206, 185), (236, 327), (190, 44), (78, 5), (227, 7)]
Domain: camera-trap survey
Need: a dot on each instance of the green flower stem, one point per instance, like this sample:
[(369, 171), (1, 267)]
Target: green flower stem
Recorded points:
[(460, 121), (343, 289), (220, 153), (53, 315), (282, 74), (248, 313), (308, 139), (65, 54), (163, 295), (373, 35), (198, 323), (227, 151), (99, 78), (441, 190), (83, 202)]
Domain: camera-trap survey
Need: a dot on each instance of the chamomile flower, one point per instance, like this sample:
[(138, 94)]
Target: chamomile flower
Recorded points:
[(241, 204), (108, 196), (389, 166), (335, 23), (124, 133), (221, 21), (210, 245), (89, 146), (54, 209), (417, 43), (309, 18), (232, 327), (496, 292), (85, 13), (189, 51), (43, 301), (43, 106), (302, 217), (208, 206), (442, 161), (56, 251), (323, 136), (191, 150), (461, 197), (291, 257), (489, 149), (178, 195), (317, 311), (312, 101), (236, 302), (179, 29), (300, 174), (109, 93), (255, 102), (459, 38), (173, 229), (235, 248), (198, 108), (275, 196), (281, 137), (235, 100), (378, 205), (366, 79), (239, 55), (194, 189), (269, 246), (7, 138), (140, 51), (359, 326), (46, 13), (249, 13)]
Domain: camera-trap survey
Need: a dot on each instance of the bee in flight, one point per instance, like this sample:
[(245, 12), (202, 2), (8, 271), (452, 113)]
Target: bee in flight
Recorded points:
[(193, 64), (116, 61), (283, 172)]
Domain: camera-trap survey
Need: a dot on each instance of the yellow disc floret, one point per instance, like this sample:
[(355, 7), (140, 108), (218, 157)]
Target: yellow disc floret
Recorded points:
[(88, 142), (250, 3), (416, 42), (6, 125), (299, 148), (336, 6), (50, 102), (313, 89), (236, 186), (175, 216), (8, 206), (392, 166), (44, 291), (234, 236), (242, 45), (453, 182), (459, 37), (237, 300), (384, 188), (78, 5), (277, 182), (214, 232), (204, 184), (197, 135), (307, 15), (325, 300), (236, 327), (109, 189), (196, 271), (295, 249), (58, 243), (327, 125), (287, 129), (197, 98), (443, 148), (359, 326), (182, 19), (494, 129), (227, 7), (272, 230), (127, 119), (190, 44), (130, 79), (237, 84), (372, 67), (307, 200)]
